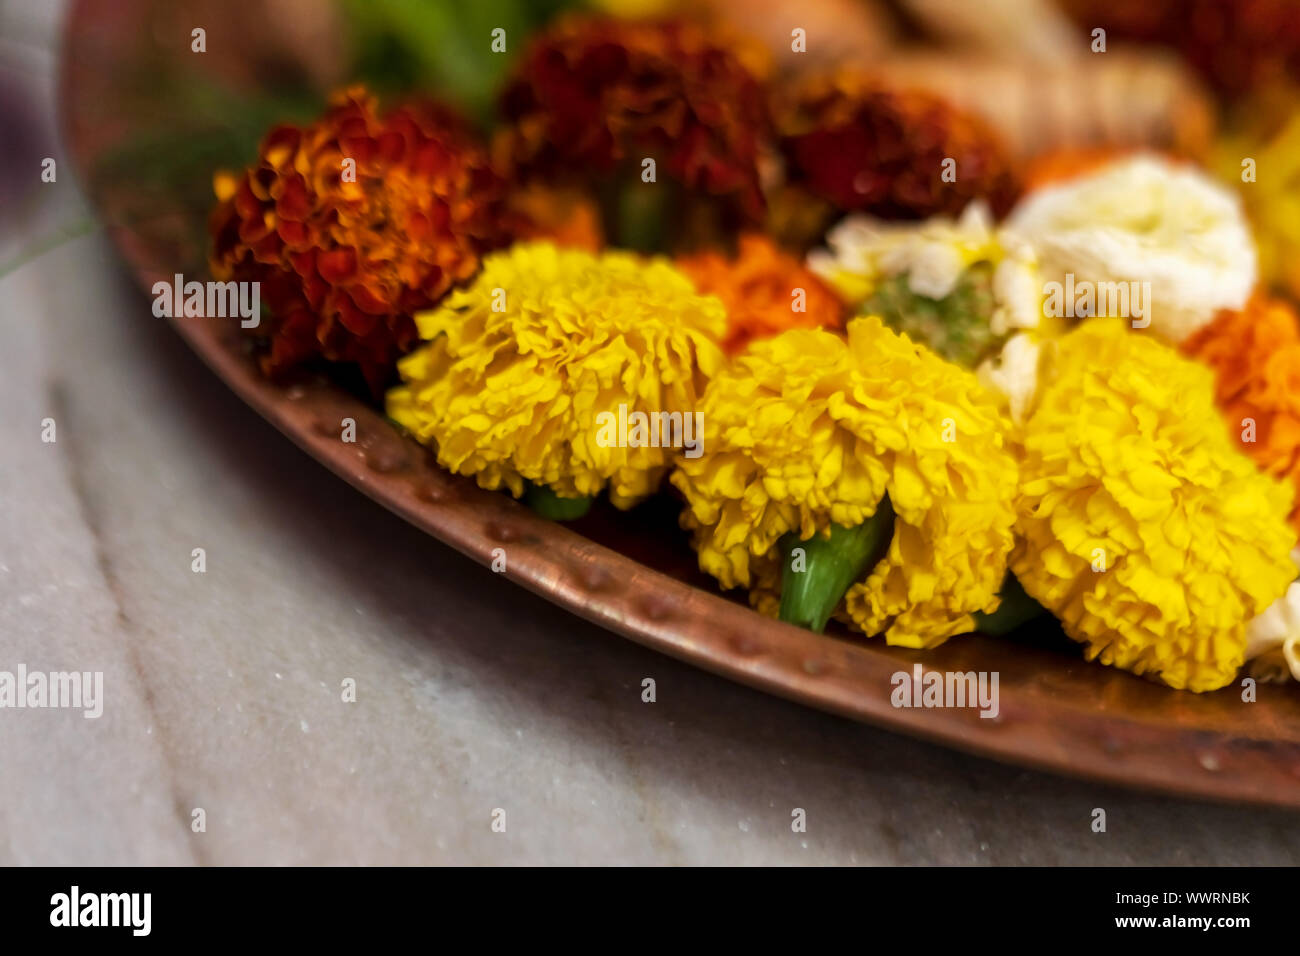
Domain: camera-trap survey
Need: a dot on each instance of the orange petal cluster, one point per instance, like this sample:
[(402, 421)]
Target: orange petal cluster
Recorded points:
[(568, 217), (764, 290), (593, 94), (866, 147), (353, 223), (1255, 354)]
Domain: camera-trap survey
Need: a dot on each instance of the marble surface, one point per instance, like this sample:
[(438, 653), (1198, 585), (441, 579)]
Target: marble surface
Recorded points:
[(222, 689)]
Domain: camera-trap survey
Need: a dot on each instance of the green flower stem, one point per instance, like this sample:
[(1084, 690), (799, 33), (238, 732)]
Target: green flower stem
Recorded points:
[(1016, 608), (548, 504), (830, 566)]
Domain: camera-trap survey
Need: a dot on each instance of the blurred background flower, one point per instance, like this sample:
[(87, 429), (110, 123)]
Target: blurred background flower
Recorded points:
[(594, 100), (864, 146)]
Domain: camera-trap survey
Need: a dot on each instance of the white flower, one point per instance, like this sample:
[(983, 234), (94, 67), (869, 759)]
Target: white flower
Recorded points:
[(932, 254), (932, 268), (1278, 627), (1014, 374), (1017, 290), (1145, 219)]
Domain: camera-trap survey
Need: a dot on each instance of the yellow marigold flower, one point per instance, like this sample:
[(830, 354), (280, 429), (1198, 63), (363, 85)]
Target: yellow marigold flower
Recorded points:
[(806, 430), (521, 364), (1141, 526)]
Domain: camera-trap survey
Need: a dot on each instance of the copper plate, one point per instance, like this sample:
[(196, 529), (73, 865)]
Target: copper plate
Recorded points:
[(126, 64)]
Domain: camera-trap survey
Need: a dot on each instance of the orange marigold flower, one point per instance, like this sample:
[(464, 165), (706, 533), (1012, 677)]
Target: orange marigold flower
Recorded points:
[(344, 260), (864, 146), (1255, 354), (759, 289), (593, 95), (568, 217)]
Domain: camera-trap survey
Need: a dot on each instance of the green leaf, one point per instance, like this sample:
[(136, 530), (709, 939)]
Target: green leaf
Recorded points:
[(548, 504), (830, 566)]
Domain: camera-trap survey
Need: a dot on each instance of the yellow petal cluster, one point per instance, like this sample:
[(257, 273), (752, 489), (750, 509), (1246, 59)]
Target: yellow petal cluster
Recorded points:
[(521, 364), (1141, 525), (807, 429)]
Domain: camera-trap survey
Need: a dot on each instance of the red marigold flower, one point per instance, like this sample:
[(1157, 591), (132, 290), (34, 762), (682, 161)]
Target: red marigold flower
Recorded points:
[(345, 260), (594, 96), (765, 291), (866, 147)]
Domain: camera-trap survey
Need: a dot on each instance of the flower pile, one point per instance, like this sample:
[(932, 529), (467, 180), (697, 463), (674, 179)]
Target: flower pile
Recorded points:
[(807, 430), (1141, 526), (894, 380), (521, 364), (354, 223), (765, 291)]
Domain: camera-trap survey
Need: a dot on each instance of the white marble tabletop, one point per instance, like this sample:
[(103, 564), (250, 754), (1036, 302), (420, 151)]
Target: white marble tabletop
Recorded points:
[(222, 688)]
